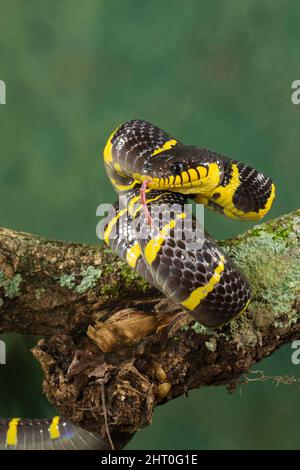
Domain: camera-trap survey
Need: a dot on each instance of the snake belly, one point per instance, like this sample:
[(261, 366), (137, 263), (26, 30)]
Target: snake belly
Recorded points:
[(199, 277)]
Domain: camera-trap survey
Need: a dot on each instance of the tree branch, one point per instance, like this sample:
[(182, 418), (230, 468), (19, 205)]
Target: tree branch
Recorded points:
[(105, 326)]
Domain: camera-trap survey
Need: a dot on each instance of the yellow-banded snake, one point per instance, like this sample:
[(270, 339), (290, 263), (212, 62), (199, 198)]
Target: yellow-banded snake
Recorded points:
[(152, 171)]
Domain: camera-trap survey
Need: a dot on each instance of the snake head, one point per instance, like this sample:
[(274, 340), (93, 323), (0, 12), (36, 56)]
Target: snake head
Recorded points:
[(184, 169)]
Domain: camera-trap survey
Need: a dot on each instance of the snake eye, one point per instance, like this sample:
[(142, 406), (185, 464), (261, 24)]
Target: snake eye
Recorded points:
[(178, 168)]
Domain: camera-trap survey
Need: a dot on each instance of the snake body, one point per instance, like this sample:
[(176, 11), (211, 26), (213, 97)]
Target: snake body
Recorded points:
[(47, 434), (203, 280)]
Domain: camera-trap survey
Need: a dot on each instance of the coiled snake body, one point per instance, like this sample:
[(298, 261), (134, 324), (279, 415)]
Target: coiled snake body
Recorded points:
[(142, 160), (155, 175)]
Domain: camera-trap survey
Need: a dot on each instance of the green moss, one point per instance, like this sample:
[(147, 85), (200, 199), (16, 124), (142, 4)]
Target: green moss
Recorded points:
[(277, 232), (282, 233), (1, 302), (211, 345), (12, 286), (109, 268), (271, 261), (256, 231), (90, 277), (115, 273), (110, 289), (67, 280), (127, 273), (130, 276), (198, 329), (185, 328), (201, 329), (107, 251), (39, 293), (243, 333)]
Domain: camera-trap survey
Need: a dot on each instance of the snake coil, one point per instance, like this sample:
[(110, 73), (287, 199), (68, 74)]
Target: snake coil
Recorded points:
[(155, 175)]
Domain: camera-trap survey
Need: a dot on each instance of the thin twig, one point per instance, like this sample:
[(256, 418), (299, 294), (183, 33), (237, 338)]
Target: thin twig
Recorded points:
[(105, 417)]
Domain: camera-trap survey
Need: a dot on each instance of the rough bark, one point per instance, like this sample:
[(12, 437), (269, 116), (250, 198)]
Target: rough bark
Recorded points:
[(108, 331)]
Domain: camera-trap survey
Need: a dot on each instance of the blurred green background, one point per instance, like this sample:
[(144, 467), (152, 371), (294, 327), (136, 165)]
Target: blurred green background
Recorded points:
[(217, 74)]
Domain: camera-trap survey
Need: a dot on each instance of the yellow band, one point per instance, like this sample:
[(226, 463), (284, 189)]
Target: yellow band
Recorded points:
[(54, 429)]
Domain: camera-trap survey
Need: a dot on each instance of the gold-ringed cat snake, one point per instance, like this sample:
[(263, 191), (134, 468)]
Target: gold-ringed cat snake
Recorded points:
[(155, 175)]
